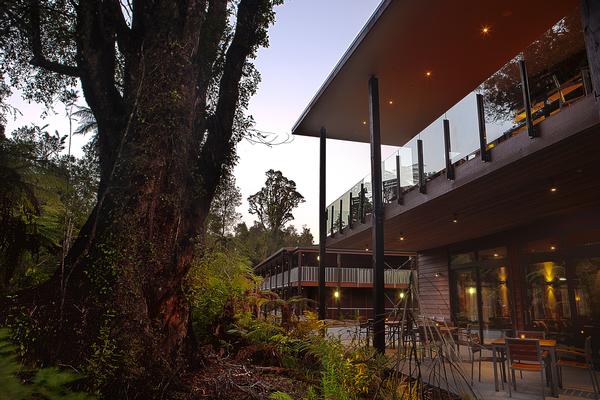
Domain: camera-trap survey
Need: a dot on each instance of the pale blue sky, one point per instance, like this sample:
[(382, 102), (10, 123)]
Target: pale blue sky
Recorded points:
[(308, 39)]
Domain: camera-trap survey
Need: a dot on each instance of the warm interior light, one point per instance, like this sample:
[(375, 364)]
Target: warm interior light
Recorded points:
[(472, 290), (562, 279), (401, 295), (336, 294), (455, 220), (367, 249), (495, 254), (522, 336), (401, 237), (552, 248), (577, 298), (553, 189), (318, 258), (485, 30), (364, 122), (390, 102), (428, 74)]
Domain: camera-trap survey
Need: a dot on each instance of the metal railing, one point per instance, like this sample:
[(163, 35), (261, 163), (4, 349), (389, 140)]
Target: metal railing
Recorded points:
[(343, 276)]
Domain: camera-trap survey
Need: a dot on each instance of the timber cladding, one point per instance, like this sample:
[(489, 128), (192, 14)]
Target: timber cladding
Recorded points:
[(434, 291)]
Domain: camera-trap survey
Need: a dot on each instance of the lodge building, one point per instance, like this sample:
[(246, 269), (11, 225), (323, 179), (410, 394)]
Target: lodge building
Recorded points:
[(494, 188)]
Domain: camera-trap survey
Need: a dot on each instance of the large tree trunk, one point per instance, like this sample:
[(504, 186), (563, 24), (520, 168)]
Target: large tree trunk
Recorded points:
[(118, 310)]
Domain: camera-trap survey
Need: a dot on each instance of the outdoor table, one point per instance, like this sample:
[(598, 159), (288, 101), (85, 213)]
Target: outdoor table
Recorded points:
[(499, 345)]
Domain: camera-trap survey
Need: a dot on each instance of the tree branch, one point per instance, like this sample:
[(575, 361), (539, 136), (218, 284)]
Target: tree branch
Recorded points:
[(122, 30), (35, 43), (218, 147)]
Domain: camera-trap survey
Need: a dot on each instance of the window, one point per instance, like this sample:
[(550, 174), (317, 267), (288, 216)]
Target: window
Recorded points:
[(587, 288), (467, 310), (480, 290), (548, 295)]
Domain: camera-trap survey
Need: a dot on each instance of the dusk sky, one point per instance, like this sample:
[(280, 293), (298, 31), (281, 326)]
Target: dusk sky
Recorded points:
[(308, 39)]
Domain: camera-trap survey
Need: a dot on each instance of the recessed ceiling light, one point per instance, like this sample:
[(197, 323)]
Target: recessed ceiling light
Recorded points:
[(428, 74), (485, 29)]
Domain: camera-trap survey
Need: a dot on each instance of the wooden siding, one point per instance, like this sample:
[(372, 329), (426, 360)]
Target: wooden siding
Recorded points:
[(434, 293)]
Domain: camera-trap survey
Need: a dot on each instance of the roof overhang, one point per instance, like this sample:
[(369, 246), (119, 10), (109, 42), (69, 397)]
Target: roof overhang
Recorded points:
[(403, 41)]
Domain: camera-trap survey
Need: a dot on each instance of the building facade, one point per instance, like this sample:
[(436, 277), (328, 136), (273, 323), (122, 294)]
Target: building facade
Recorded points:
[(293, 271), (494, 109)]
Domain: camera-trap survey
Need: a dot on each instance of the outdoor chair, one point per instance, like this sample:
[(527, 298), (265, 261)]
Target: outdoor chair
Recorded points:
[(525, 355), (364, 328), (578, 358), (429, 338), (472, 341), (531, 334)]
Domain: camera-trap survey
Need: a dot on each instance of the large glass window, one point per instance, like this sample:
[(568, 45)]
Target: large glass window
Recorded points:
[(495, 307), (548, 295), (481, 293), (587, 288), (467, 311)]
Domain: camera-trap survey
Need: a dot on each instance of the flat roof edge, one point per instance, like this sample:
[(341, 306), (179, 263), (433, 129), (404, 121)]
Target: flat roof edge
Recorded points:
[(349, 52)]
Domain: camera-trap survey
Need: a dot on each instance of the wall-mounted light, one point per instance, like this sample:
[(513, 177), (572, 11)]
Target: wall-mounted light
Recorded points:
[(364, 122), (455, 219), (471, 290), (552, 248), (318, 258), (428, 74), (562, 279), (402, 237), (485, 30), (390, 102), (336, 294), (553, 189), (401, 295)]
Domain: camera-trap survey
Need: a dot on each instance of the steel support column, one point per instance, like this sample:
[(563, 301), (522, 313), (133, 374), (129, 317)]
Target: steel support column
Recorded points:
[(322, 225), (377, 231), (449, 166), (590, 22), (526, 98), (421, 166), (400, 197), (483, 150)]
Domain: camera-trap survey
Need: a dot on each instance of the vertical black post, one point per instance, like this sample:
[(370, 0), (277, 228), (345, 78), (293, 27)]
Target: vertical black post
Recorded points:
[(422, 182), (289, 261), (485, 154), (590, 24), (399, 196), (350, 216), (361, 205), (338, 298), (322, 224), (526, 98), (332, 218), (449, 166), (341, 221), (377, 232)]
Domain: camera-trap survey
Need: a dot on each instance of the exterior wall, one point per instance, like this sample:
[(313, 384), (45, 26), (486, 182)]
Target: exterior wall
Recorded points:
[(434, 293)]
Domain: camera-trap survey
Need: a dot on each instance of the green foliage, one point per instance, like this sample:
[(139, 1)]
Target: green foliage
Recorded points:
[(280, 396), (17, 383), (104, 360), (257, 243), (215, 284), (38, 188)]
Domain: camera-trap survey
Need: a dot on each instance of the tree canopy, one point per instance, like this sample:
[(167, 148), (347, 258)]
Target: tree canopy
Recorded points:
[(274, 203)]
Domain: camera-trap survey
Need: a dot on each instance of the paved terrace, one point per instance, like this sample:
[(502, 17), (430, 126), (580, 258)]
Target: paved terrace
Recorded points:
[(576, 383)]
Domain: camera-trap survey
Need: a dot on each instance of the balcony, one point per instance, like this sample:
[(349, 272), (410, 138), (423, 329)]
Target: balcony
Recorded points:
[(334, 276), (481, 129)]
